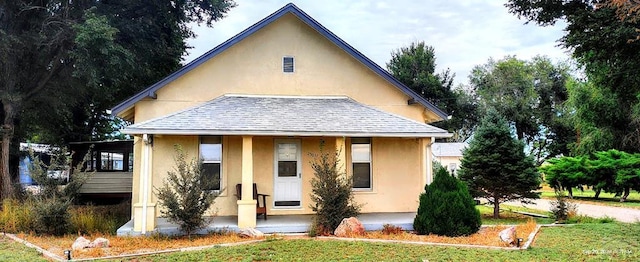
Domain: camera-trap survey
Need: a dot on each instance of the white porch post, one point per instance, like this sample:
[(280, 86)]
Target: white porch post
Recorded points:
[(429, 153), (247, 205), (144, 210), (342, 156)]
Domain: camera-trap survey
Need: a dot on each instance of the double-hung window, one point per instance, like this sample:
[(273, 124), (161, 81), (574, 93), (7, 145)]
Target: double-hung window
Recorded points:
[(211, 155), (361, 163)]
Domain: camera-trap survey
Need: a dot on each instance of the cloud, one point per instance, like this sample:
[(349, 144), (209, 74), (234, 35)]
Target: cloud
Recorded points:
[(463, 33)]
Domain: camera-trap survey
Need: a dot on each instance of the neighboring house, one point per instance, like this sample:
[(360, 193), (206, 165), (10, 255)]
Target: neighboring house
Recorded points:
[(112, 164), (257, 106), (449, 155)]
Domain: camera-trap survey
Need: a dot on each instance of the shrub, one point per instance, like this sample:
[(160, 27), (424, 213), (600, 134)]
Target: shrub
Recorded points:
[(184, 194), (389, 229), (561, 208), (446, 208), (52, 216), (331, 192)]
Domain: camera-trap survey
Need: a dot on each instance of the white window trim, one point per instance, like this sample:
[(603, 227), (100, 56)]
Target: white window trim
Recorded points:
[(363, 189), (221, 191)]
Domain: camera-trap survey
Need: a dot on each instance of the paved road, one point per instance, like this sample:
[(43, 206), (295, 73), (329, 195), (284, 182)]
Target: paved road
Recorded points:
[(621, 214)]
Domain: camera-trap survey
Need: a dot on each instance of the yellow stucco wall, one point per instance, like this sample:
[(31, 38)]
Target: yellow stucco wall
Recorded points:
[(396, 175), (254, 66)]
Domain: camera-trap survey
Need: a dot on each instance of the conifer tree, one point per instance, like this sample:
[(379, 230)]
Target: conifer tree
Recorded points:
[(446, 208), (495, 166)]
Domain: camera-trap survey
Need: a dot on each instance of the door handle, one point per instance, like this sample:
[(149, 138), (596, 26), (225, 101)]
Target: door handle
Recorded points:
[(299, 175)]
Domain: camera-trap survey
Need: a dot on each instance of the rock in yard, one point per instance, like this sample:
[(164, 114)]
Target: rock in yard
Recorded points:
[(349, 227), (251, 232), (81, 243), (508, 235), (100, 242)]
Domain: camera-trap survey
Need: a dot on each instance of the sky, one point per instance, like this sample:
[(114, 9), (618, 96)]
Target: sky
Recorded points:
[(463, 33)]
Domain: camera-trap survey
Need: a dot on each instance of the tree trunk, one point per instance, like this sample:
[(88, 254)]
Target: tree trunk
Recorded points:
[(625, 195), (6, 189), (496, 208), (597, 193), (570, 190)]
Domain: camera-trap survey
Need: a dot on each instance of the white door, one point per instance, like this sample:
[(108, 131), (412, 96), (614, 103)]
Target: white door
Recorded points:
[(287, 174)]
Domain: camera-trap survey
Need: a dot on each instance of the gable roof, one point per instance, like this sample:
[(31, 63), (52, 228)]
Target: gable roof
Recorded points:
[(285, 116), (448, 149), (293, 9)]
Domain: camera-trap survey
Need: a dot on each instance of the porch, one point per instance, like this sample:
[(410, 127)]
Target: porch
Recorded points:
[(284, 224)]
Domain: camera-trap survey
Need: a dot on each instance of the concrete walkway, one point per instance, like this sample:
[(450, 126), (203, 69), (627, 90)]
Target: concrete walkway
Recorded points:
[(627, 215)]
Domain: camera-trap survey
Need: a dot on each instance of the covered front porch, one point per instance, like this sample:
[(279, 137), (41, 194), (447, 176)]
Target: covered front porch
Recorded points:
[(282, 224)]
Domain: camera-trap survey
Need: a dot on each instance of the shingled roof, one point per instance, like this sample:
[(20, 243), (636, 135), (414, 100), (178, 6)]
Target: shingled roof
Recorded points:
[(285, 116), (304, 17)]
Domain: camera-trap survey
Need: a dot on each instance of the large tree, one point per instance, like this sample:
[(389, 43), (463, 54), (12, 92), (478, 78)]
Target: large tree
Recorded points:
[(495, 166), (604, 45), (530, 94), (415, 66), (62, 63)]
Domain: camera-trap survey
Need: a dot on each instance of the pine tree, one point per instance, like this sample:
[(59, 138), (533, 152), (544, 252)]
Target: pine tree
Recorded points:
[(495, 166), (447, 208)]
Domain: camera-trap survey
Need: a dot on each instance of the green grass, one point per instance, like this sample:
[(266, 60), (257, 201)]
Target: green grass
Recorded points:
[(14, 251), (583, 242), (508, 217), (607, 199)]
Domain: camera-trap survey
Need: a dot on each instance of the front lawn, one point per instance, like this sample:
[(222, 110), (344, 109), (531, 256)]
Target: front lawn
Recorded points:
[(605, 199), (582, 242), (509, 217)]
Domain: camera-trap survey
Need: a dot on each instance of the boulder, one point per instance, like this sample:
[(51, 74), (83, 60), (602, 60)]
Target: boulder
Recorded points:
[(81, 243), (100, 243), (508, 235), (251, 233), (349, 227)]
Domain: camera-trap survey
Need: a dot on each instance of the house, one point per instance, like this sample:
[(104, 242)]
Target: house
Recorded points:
[(255, 107), (112, 164), (448, 155)]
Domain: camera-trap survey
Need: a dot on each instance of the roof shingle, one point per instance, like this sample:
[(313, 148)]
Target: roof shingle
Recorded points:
[(285, 115)]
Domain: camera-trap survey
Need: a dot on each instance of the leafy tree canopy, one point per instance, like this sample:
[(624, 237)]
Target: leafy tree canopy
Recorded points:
[(415, 67), (531, 96), (63, 63)]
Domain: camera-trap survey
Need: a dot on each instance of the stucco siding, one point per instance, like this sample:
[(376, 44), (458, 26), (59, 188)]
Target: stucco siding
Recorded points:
[(254, 66), (396, 173)]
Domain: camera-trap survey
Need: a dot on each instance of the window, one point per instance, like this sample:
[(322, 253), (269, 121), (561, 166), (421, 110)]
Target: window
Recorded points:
[(211, 155), (361, 162), (287, 64), (106, 160)]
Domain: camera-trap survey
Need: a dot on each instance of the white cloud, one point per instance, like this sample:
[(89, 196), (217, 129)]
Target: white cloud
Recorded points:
[(463, 33)]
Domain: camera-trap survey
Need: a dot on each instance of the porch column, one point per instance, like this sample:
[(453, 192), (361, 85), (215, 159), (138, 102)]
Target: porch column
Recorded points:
[(144, 211), (341, 148), (247, 205)]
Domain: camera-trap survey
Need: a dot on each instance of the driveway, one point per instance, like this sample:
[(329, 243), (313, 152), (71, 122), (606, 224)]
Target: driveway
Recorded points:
[(627, 215)]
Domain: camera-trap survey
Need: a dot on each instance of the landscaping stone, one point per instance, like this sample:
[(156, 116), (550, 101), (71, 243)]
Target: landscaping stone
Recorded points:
[(251, 233), (508, 235), (349, 227), (100, 243), (81, 243)]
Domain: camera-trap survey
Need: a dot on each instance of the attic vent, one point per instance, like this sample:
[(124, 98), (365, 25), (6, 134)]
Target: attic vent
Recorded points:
[(287, 64)]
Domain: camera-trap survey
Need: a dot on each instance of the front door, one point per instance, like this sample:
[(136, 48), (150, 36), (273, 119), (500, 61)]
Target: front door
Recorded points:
[(288, 174)]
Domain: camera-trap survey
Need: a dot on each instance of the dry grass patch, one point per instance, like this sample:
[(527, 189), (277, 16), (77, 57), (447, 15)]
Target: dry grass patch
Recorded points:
[(127, 245), (487, 236)]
